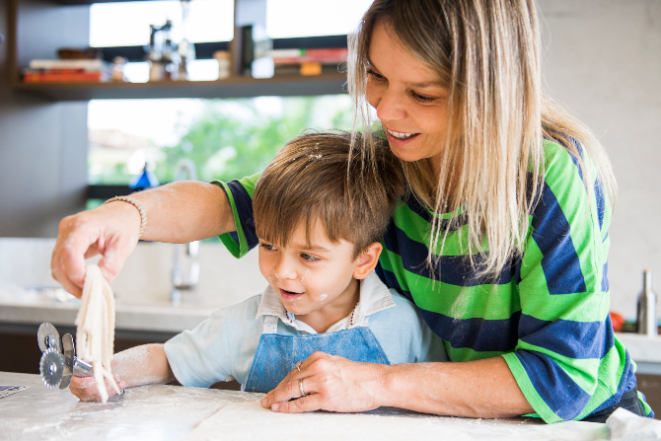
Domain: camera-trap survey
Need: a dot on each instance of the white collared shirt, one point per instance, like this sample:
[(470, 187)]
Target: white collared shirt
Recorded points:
[(374, 297), (223, 346)]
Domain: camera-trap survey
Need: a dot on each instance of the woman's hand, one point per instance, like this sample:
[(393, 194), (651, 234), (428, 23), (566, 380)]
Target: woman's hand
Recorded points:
[(112, 230), (330, 383), (85, 388)]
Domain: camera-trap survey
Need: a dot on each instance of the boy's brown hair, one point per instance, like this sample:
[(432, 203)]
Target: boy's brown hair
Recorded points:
[(318, 177)]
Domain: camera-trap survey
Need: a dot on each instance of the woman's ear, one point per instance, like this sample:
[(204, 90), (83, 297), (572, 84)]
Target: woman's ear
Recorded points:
[(367, 261)]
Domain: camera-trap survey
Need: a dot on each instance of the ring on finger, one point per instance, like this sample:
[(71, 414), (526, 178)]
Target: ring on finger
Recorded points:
[(298, 365), (300, 386)]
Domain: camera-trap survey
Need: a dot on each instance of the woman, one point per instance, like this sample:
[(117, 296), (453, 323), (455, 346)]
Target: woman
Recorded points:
[(502, 244)]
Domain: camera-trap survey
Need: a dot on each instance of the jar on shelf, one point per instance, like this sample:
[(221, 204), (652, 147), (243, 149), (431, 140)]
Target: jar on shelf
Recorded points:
[(224, 64)]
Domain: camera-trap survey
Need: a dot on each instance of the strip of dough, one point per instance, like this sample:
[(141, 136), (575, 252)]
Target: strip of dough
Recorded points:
[(95, 332)]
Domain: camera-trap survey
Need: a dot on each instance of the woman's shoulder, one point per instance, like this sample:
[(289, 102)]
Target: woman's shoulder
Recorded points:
[(558, 156)]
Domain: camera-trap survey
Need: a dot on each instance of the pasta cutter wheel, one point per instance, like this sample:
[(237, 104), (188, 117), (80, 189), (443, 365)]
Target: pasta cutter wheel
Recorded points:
[(51, 368), (48, 337), (58, 367)]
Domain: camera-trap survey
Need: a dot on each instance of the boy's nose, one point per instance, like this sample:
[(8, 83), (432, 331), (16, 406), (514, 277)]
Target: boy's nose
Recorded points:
[(285, 270)]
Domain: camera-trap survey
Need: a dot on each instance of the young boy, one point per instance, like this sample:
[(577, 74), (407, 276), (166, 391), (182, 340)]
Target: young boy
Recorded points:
[(319, 217)]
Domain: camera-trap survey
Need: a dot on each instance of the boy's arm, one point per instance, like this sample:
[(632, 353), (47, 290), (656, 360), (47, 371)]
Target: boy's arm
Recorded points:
[(138, 366)]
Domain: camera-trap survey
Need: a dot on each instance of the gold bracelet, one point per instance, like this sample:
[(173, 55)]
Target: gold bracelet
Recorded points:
[(136, 204)]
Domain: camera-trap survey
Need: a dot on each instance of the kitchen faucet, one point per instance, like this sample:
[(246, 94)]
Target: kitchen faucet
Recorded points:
[(192, 249)]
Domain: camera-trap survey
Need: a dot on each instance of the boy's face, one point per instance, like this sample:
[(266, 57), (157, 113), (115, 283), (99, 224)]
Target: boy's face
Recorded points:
[(311, 278)]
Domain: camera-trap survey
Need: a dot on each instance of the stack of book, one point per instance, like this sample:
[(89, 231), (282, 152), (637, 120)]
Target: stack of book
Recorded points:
[(307, 61), (67, 71)]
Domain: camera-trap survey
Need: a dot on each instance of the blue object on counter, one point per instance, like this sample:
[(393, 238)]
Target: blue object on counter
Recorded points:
[(145, 180)]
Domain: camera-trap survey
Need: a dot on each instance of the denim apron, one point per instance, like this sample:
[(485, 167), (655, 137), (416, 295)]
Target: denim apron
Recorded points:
[(277, 354)]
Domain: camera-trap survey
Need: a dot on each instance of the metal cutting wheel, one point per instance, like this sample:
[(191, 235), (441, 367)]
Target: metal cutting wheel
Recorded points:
[(51, 368)]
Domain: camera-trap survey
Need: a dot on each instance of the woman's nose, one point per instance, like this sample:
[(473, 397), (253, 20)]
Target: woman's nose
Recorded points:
[(390, 106)]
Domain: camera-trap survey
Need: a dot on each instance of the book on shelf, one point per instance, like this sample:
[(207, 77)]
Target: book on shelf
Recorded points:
[(67, 71), (299, 56), (88, 65), (64, 76)]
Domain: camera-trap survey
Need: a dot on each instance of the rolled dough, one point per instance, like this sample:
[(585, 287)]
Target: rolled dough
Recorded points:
[(95, 332)]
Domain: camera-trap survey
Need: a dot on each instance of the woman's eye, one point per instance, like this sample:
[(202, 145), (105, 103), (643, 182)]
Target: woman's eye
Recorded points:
[(375, 76), (309, 258), (422, 98)]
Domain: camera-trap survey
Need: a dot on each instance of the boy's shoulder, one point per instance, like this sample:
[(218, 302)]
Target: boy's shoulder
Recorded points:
[(243, 310), (402, 309)]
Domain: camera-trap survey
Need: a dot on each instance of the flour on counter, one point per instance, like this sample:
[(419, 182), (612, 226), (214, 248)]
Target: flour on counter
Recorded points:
[(249, 421), (95, 332)]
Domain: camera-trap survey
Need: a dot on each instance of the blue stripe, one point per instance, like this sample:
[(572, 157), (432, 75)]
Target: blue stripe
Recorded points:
[(551, 232), (605, 286), (452, 224), (601, 201), (453, 270), (576, 340), (243, 204), (477, 334), (565, 398)]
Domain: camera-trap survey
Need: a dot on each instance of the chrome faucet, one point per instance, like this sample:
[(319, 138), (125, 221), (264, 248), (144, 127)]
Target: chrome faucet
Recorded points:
[(192, 249)]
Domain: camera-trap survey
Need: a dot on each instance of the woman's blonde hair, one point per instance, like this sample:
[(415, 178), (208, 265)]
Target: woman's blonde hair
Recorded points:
[(487, 52)]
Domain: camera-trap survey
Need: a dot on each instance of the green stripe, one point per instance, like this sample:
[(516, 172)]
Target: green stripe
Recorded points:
[(240, 249), (490, 302), (468, 354), (580, 307)]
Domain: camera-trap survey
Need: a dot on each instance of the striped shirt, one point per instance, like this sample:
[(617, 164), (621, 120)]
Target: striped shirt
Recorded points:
[(546, 313)]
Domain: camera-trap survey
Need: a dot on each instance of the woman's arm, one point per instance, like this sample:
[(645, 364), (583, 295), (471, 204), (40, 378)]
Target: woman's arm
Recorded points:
[(482, 388), (138, 366), (177, 213)]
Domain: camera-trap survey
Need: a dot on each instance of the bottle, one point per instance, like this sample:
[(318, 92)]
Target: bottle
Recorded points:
[(647, 323)]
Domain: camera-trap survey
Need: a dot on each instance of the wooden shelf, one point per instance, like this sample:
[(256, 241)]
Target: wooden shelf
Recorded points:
[(240, 87)]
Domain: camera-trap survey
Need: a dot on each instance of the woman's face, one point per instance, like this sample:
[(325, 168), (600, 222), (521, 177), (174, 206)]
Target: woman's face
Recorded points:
[(409, 98)]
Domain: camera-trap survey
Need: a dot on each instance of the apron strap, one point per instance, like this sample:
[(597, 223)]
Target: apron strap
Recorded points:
[(270, 325)]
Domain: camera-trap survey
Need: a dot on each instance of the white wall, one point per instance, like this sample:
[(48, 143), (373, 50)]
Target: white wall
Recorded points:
[(602, 60)]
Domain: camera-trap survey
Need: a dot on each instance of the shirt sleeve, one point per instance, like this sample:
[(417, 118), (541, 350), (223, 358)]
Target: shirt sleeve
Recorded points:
[(222, 346), (239, 193), (403, 334), (565, 337)]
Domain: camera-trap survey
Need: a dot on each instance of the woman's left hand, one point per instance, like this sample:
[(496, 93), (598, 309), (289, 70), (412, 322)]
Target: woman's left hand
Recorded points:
[(330, 383)]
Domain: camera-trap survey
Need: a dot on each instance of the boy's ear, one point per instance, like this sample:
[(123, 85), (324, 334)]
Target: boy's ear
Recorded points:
[(367, 261)]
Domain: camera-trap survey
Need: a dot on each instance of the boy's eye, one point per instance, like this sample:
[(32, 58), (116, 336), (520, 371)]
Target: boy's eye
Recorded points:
[(309, 258), (268, 247)]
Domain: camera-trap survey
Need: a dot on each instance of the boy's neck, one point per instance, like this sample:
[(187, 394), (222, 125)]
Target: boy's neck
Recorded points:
[(327, 316)]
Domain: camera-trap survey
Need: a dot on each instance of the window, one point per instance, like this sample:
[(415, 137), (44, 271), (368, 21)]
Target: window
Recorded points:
[(225, 139)]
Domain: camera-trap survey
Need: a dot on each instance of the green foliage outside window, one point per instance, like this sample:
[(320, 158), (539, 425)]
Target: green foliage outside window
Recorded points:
[(235, 138)]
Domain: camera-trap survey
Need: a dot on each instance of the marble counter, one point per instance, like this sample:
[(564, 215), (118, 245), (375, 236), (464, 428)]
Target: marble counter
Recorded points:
[(171, 412)]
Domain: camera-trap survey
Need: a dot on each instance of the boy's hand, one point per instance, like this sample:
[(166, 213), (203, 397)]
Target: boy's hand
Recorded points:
[(85, 388)]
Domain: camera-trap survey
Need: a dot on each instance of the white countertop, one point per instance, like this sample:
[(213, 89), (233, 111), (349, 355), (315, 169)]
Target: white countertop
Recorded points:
[(170, 412)]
